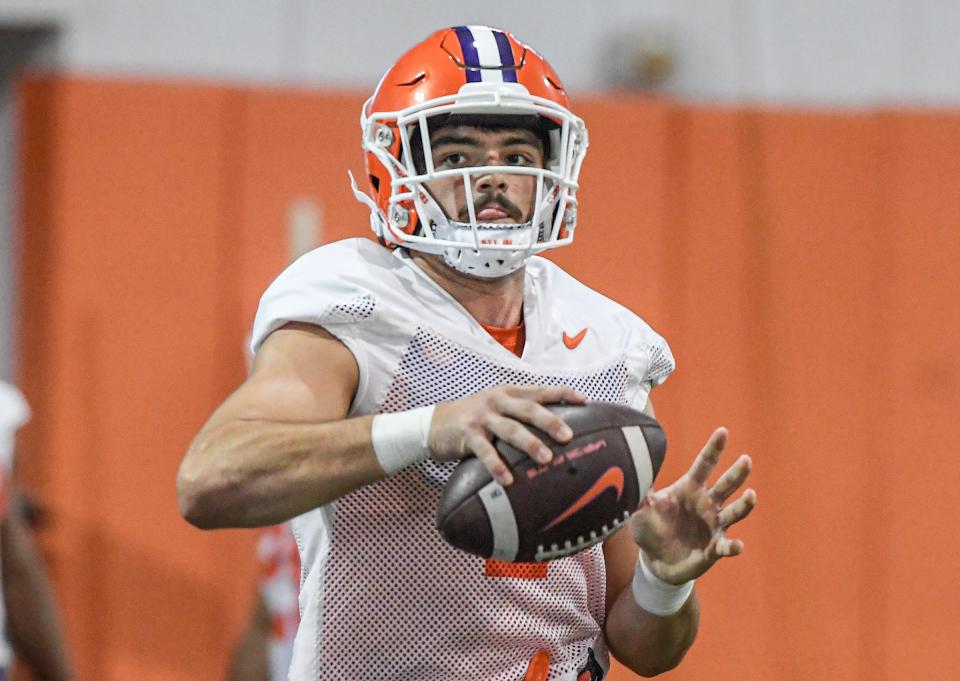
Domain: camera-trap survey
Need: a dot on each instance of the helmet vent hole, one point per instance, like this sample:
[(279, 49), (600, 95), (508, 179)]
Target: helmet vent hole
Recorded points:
[(416, 79)]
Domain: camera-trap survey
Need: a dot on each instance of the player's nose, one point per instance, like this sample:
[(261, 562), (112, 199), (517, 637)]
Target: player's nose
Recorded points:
[(491, 182)]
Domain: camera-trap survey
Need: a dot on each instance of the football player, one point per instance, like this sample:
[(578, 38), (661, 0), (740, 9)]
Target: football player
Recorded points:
[(379, 367), (265, 648), (29, 622)]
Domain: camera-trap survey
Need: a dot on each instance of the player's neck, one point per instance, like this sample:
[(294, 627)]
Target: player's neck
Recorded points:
[(494, 302)]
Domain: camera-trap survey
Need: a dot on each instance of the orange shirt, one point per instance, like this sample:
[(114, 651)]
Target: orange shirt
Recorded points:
[(512, 337)]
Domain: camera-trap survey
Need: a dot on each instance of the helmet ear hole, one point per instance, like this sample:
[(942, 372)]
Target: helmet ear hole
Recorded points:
[(416, 150)]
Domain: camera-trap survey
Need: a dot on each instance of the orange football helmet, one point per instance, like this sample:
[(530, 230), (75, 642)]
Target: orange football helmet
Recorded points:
[(476, 72)]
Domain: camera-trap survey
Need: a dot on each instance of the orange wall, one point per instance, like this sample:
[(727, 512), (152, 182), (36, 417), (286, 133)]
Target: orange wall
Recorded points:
[(803, 266)]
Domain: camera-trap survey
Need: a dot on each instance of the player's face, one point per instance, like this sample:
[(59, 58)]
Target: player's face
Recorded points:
[(498, 197)]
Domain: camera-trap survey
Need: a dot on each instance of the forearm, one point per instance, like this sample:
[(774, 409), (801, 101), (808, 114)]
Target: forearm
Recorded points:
[(32, 619), (646, 643), (251, 473)]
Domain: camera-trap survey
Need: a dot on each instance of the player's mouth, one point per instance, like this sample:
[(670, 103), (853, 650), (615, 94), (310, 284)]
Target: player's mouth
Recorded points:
[(493, 215), (498, 209)]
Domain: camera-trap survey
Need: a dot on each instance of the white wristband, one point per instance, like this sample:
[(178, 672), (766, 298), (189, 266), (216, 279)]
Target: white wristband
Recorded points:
[(400, 439), (656, 596)]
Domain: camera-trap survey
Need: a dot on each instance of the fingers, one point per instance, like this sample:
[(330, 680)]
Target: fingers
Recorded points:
[(684, 525), (478, 443), (512, 413), (726, 548), (731, 480), (536, 415), (468, 425), (513, 408), (707, 459), (515, 434), (738, 510), (551, 394)]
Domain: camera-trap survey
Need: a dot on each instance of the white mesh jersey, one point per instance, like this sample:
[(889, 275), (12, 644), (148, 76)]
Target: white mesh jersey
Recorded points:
[(382, 595)]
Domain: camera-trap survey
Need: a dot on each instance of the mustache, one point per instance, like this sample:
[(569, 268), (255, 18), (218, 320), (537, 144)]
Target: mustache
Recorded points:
[(494, 200)]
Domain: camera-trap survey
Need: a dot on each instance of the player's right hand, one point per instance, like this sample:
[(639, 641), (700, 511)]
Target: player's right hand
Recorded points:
[(467, 426)]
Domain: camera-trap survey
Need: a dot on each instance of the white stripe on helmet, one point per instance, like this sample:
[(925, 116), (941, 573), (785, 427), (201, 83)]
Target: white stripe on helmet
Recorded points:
[(488, 53)]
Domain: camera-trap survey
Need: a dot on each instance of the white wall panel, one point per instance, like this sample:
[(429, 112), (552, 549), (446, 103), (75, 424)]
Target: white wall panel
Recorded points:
[(242, 39), (854, 52), (356, 47), (822, 50), (931, 55)]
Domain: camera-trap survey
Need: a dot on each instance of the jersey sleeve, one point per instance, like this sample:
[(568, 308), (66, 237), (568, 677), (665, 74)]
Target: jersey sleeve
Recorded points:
[(649, 361), (319, 288), (660, 361)]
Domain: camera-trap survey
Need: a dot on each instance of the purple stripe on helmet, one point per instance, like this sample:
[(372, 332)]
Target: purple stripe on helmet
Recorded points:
[(471, 60), (506, 57)]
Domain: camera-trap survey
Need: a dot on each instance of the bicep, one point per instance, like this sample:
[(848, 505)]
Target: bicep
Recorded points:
[(301, 374)]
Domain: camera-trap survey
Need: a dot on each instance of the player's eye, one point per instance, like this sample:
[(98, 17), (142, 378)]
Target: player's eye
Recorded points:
[(454, 159), (518, 159), (522, 155)]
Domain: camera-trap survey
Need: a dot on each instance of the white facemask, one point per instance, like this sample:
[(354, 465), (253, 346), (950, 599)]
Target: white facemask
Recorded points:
[(555, 206)]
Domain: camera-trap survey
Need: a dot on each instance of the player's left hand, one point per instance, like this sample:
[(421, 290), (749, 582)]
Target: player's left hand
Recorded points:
[(682, 528)]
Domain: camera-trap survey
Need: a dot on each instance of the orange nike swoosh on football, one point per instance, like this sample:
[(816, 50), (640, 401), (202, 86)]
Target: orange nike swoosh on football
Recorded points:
[(611, 478), (573, 341)]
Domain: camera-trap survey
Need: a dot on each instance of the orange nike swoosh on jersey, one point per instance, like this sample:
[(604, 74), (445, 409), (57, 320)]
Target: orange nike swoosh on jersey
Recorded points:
[(611, 478), (573, 341)]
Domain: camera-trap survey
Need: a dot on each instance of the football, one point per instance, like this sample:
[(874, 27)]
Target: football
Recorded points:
[(590, 487)]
